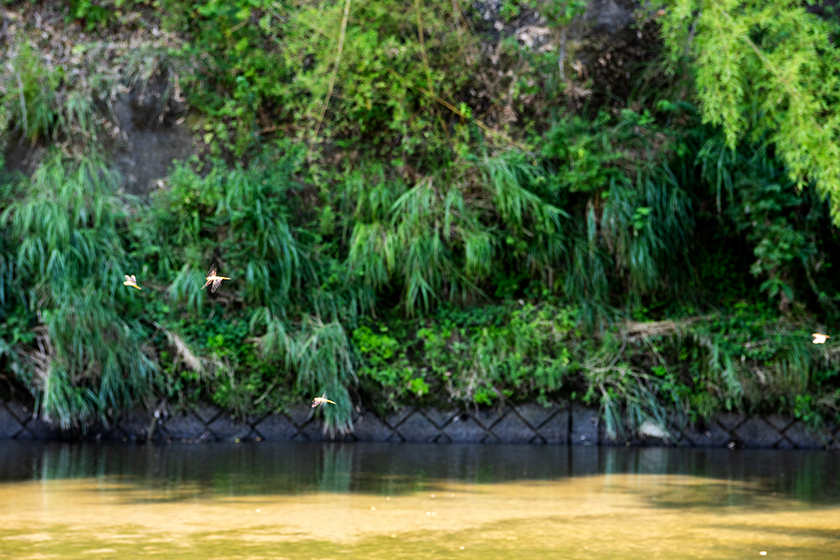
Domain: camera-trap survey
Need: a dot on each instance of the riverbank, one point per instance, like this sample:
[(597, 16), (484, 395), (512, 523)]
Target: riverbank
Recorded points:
[(556, 424)]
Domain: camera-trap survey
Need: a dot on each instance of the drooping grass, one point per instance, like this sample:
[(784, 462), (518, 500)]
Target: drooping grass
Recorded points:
[(441, 238), (68, 227), (319, 354)]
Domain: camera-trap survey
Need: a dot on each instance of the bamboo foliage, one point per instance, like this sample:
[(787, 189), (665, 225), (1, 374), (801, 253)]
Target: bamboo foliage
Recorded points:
[(765, 69)]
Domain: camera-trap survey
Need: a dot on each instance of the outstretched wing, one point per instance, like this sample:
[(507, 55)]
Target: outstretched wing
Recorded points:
[(216, 284), (210, 274), (131, 281)]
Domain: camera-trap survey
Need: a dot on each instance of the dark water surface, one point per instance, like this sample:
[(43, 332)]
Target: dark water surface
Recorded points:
[(334, 501)]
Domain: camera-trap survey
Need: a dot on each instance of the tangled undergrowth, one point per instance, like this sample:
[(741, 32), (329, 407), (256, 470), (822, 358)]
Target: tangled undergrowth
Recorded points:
[(411, 212)]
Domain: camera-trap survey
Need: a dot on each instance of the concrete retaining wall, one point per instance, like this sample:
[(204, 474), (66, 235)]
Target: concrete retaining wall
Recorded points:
[(558, 424)]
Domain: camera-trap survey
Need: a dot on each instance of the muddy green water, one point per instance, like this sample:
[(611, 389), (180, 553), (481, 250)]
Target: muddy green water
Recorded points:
[(312, 501)]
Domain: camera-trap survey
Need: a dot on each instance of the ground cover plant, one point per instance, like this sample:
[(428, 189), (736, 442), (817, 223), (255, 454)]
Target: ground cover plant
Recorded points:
[(418, 207)]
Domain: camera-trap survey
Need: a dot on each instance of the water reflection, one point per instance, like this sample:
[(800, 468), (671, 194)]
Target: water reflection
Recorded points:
[(297, 468), (370, 501)]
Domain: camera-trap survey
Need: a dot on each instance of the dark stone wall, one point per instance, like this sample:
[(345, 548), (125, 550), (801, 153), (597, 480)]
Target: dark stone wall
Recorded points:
[(557, 424)]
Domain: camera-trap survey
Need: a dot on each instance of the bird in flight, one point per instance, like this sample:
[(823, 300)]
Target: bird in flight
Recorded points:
[(321, 400), (213, 279), (131, 281), (820, 338)]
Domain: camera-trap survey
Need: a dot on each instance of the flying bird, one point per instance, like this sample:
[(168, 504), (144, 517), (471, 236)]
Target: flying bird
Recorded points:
[(321, 400), (131, 281), (213, 279), (820, 338)]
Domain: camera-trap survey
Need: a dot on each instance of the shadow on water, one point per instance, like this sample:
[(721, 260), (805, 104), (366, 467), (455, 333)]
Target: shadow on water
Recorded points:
[(742, 477)]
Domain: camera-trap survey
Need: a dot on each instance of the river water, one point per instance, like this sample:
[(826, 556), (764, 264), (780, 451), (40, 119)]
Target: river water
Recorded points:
[(331, 501)]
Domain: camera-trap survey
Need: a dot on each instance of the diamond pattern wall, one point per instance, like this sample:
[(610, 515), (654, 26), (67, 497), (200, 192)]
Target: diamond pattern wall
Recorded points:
[(558, 424)]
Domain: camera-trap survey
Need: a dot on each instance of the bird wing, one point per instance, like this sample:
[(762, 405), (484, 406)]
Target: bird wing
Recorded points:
[(216, 284), (206, 284), (127, 278), (133, 278)]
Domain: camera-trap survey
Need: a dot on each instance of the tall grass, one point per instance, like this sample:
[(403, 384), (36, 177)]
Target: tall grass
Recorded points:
[(293, 290), (237, 215), (42, 101), (68, 226), (440, 239), (319, 354)]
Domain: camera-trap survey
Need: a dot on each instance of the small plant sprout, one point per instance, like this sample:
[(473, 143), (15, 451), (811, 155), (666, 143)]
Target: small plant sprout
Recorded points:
[(131, 281), (820, 338), (321, 400), (213, 279)]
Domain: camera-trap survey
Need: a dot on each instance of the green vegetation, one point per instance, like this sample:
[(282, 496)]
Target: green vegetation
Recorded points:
[(412, 212), (766, 71)]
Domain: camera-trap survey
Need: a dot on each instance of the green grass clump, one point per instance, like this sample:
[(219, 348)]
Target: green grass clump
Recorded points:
[(68, 228)]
